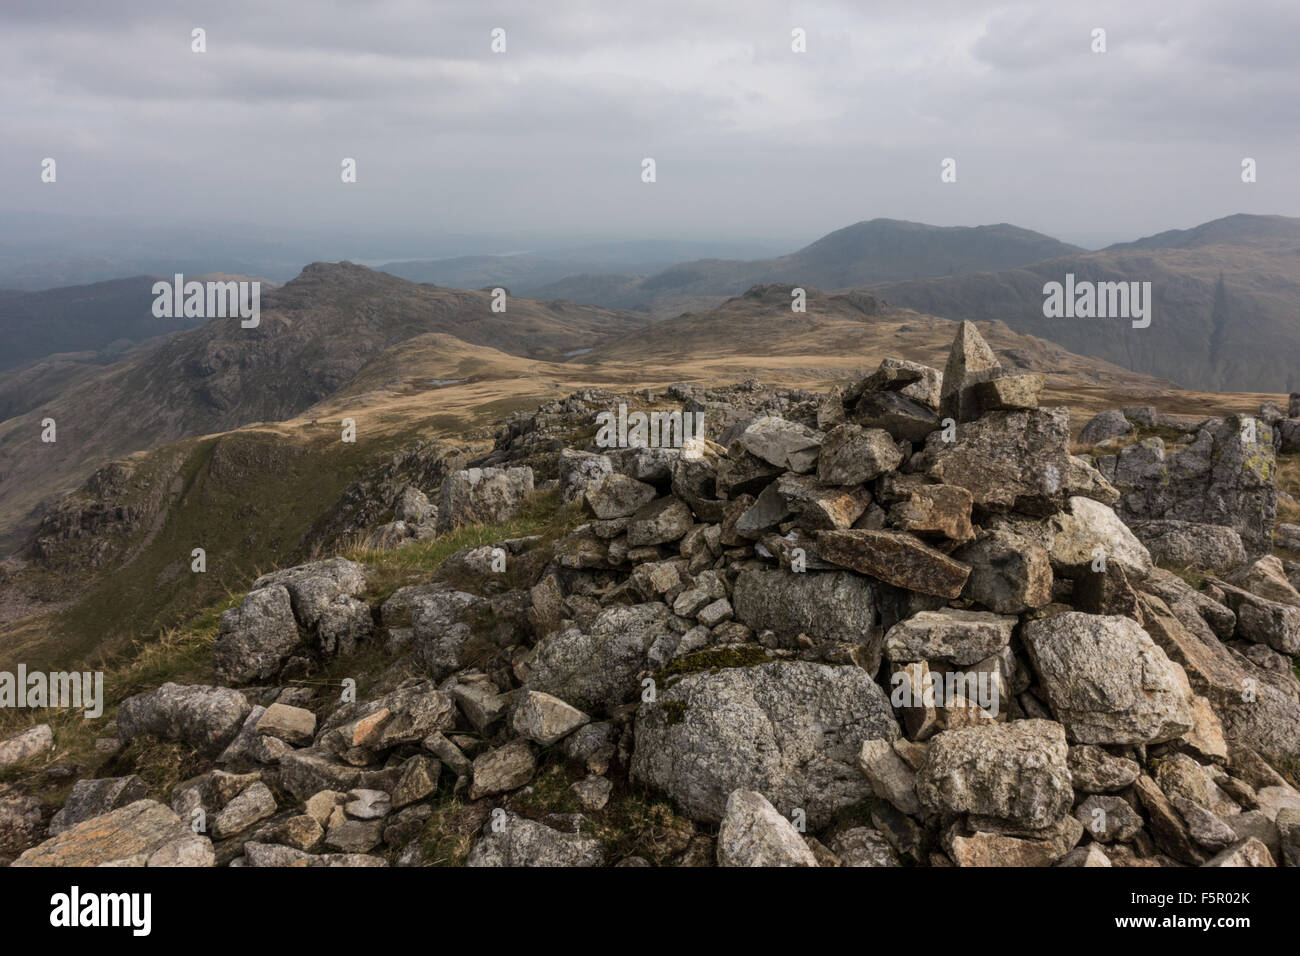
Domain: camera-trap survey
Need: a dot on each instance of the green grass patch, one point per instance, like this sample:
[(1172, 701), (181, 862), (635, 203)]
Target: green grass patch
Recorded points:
[(744, 655)]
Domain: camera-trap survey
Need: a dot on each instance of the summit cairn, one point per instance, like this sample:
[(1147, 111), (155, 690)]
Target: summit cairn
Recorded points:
[(906, 596)]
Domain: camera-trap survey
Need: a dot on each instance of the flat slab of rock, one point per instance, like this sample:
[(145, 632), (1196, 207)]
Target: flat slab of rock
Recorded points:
[(782, 443), (949, 634), (791, 731), (508, 767), (895, 558), (937, 511), (294, 725), (1107, 681), (254, 804), (144, 833)]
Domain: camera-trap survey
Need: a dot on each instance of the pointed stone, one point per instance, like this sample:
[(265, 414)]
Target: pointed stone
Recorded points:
[(970, 362)]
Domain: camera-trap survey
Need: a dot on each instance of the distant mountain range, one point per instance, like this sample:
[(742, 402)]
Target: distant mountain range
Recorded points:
[(1226, 293), (866, 252), (1226, 317), (1226, 314)]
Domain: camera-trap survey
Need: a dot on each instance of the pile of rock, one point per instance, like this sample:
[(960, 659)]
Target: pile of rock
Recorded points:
[(899, 622)]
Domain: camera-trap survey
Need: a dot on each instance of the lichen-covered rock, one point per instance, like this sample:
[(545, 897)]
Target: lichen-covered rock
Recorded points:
[(1226, 476), (482, 496), (941, 511), (144, 833), (829, 607), (1087, 531), (254, 804), (752, 833), (618, 496), (1189, 544), (256, 638), (24, 744), (816, 506), (1247, 852), (791, 731), (579, 470), (595, 668), (294, 725), (403, 716), (1096, 771), (1085, 481), (442, 626), (93, 797), (1107, 681), (895, 558), (1108, 819), (206, 718), (863, 846), (1108, 424), (313, 587), (982, 848), (1015, 771), (853, 455), (545, 719), (787, 445), (20, 821), (1257, 707), (1008, 461), (659, 522), (949, 634), (970, 362), (1010, 573), (516, 841)]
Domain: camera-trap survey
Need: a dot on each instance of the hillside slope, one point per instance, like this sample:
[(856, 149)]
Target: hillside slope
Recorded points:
[(82, 318), (316, 333)]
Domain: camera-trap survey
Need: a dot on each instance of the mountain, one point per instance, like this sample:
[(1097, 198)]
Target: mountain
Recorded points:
[(1226, 303), (316, 333), (529, 273), (109, 316), (866, 252)]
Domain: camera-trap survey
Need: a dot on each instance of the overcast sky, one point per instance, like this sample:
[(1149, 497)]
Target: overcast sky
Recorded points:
[(750, 138)]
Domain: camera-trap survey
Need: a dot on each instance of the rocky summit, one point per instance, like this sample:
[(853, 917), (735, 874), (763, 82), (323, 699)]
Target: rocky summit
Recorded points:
[(908, 622)]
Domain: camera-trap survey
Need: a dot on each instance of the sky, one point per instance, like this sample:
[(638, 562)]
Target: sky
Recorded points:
[(750, 139)]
